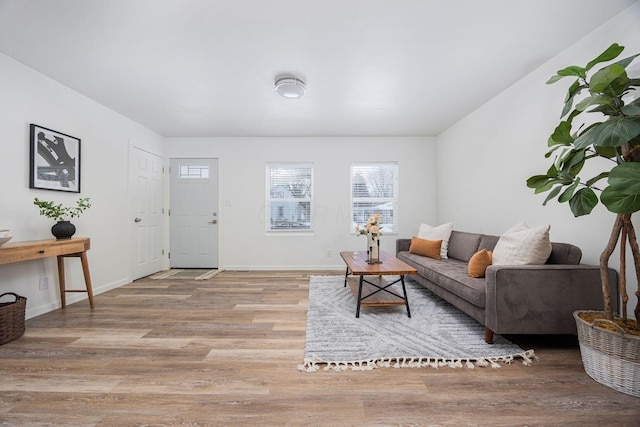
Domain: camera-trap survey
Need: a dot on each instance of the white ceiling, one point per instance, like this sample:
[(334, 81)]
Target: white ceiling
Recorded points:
[(372, 67)]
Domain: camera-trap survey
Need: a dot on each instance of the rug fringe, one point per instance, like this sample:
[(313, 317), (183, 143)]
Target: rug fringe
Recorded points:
[(313, 364)]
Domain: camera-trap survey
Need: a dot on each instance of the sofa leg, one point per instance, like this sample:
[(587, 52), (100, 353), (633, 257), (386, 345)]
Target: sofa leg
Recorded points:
[(488, 335)]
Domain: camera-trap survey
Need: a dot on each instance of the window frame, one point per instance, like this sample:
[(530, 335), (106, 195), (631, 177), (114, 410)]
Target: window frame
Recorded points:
[(392, 227), (270, 168)]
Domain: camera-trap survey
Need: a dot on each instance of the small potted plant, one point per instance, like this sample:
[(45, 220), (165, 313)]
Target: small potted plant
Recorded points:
[(607, 139), (63, 229)]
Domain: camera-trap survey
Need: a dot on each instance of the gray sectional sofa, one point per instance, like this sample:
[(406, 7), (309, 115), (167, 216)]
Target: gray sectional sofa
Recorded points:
[(523, 299)]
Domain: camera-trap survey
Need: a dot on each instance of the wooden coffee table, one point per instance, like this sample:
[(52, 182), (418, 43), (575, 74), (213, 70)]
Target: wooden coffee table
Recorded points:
[(376, 291)]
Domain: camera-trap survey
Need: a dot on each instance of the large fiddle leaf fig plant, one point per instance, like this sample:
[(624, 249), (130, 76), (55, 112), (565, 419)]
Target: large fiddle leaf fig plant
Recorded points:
[(599, 125)]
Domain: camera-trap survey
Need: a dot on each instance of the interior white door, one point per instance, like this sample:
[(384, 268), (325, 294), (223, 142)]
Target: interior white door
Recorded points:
[(146, 212), (194, 213)]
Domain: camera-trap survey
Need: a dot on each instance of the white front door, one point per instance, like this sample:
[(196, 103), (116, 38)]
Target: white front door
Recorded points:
[(194, 213), (146, 213)]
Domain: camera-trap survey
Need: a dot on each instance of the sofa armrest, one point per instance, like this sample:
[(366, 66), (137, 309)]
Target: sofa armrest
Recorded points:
[(402, 245), (541, 299)]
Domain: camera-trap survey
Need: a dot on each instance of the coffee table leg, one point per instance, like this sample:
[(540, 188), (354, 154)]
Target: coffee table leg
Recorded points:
[(359, 297), (346, 274), (406, 300)]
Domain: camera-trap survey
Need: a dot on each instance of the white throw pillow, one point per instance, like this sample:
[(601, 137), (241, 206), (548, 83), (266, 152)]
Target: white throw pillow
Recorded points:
[(521, 245), (441, 232)]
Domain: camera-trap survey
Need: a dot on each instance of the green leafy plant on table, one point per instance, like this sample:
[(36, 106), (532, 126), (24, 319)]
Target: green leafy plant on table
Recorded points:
[(59, 212)]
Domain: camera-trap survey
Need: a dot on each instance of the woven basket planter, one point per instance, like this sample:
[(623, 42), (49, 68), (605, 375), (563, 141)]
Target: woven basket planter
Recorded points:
[(12, 318), (611, 358)]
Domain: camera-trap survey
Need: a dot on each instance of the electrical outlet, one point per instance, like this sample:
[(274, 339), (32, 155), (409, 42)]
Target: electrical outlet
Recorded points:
[(328, 254), (44, 283)]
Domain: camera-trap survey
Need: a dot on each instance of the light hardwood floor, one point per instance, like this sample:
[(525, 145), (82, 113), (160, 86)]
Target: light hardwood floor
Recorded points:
[(224, 352)]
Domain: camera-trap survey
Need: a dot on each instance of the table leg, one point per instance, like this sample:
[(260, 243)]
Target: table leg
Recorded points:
[(346, 274), (404, 290), (359, 297), (63, 292), (87, 277)]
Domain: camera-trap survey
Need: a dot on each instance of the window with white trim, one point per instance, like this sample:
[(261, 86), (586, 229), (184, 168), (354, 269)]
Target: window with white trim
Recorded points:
[(289, 197), (374, 189)]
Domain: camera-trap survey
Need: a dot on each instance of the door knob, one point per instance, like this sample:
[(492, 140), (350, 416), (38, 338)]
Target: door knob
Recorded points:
[(137, 220), (213, 221)]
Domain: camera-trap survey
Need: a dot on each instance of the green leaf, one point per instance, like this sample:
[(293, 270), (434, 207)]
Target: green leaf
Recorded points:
[(545, 187), (632, 109), (537, 181), (597, 178), (608, 152), (612, 133), (623, 193), (571, 159), (574, 90), (575, 169), (594, 100), (611, 80), (610, 53), (583, 202), (573, 70), (561, 135), (568, 193), (626, 178), (619, 202), (626, 61), (554, 79), (552, 194)]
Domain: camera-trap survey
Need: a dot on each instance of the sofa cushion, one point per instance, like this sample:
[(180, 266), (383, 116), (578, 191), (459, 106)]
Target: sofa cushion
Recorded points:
[(463, 245), (428, 248), (523, 246), (488, 242), (564, 253), (449, 274), (479, 262), (441, 232)]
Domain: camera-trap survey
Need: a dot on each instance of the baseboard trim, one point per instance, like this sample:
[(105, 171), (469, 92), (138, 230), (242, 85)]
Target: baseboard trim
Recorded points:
[(73, 298)]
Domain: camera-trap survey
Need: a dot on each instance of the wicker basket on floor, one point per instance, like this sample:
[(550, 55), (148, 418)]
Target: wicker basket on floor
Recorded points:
[(611, 358), (12, 318)]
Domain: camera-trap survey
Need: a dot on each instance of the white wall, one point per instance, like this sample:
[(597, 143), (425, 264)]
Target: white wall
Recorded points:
[(244, 244), (29, 97), (485, 159)]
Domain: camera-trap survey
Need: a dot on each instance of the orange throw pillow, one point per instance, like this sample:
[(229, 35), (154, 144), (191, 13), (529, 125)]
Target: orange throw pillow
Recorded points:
[(429, 248), (479, 262)]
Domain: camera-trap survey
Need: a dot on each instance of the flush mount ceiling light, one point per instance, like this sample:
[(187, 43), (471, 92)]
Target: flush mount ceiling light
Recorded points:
[(290, 87)]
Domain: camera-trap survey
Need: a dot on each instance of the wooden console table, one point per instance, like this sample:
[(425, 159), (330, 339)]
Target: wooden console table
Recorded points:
[(26, 251)]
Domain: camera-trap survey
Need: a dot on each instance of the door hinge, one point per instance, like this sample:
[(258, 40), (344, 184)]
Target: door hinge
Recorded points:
[(169, 212), (163, 252), (169, 255)]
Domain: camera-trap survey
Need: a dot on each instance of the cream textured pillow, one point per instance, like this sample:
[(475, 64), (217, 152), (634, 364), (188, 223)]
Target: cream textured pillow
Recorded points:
[(523, 246), (429, 248), (441, 232), (479, 262)]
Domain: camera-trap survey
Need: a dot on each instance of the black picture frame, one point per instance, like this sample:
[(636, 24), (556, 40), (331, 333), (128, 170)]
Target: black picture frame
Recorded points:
[(54, 160)]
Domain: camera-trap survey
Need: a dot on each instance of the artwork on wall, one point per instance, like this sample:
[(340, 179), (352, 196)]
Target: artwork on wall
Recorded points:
[(54, 160)]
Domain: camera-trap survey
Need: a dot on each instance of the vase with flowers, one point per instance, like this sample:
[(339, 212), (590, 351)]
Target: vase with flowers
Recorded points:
[(373, 230)]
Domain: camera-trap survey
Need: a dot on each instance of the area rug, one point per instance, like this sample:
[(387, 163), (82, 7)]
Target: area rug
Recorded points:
[(187, 273), (436, 335)]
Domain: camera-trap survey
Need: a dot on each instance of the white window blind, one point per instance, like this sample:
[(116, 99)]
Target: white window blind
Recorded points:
[(289, 196), (374, 189)]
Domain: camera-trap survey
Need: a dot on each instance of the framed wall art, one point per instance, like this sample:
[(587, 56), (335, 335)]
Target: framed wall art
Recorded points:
[(54, 160)]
